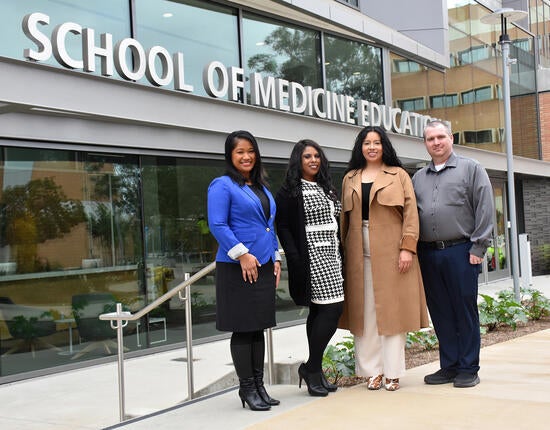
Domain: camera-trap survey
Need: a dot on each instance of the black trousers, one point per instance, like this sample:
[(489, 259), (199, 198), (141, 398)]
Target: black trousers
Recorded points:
[(451, 286)]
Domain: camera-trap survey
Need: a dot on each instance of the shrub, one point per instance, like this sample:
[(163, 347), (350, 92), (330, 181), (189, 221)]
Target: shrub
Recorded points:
[(502, 310), (536, 305), (425, 339), (339, 359)]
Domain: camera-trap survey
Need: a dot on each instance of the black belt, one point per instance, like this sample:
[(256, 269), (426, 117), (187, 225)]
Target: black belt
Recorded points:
[(442, 244)]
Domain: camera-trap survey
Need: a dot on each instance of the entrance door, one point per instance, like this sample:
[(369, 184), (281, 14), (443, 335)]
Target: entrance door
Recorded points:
[(496, 259)]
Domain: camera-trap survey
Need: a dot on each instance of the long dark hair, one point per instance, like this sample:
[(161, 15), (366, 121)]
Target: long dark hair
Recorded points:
[(257, 174), (294, 170), (389, 156)]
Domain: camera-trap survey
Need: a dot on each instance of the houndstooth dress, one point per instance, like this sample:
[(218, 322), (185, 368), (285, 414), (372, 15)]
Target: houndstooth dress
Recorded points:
[(321, 215)]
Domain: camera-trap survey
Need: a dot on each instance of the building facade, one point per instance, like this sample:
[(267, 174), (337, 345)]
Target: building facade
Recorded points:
[(113, 115)]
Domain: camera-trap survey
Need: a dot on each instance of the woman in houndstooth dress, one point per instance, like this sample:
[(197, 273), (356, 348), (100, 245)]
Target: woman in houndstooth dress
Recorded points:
[(307, 225)]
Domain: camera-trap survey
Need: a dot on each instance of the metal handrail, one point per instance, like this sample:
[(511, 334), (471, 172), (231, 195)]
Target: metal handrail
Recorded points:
[(120, 319)]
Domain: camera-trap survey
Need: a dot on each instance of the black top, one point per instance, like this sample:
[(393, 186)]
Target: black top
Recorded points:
[(365, 191), (263, 199)]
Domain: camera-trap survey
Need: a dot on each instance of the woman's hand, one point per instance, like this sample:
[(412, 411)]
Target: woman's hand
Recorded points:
[(249, 267), (277, 272), (405, 260)]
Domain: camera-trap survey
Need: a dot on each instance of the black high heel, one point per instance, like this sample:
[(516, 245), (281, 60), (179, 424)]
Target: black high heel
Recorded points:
[(249, 395), (313, 381), (331, 388), (259, 380)]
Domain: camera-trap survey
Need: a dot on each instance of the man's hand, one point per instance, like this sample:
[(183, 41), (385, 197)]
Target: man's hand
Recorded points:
[(474, 259)]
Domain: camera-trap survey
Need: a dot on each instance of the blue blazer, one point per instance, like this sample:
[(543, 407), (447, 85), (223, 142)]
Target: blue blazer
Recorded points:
[(237, 221)]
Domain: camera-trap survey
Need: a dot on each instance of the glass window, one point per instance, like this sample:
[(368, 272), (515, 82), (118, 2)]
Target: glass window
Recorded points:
[(70, 234), (277, 49), (480, 136), (202, 31), (351, 2), (477, 95), (412, 105), (104, 16), (475, 54), (404, 66), (354, 69), (80, 231), (443, 101)]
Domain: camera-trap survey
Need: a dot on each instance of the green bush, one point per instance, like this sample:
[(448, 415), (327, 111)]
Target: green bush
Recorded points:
[(339, 360), (500, 311), (425, 339), (536, 305)]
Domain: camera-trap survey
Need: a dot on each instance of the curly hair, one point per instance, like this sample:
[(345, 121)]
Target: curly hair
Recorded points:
[(257, 175), (294, 170), (389, 156)]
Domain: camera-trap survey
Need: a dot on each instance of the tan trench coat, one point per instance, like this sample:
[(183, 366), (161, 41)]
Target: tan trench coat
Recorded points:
[(393, 225)]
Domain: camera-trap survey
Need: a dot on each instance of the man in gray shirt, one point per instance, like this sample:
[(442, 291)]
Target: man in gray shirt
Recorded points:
[(455, 206)]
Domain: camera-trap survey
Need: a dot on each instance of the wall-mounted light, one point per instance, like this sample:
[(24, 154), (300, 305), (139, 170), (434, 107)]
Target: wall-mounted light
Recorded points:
[(167, 15)]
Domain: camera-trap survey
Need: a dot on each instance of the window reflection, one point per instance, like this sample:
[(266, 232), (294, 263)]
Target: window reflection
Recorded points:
[(469, 93), (70, 226), (203, 31), (106, 16), (354, 69), (81, 231), (281, 50)]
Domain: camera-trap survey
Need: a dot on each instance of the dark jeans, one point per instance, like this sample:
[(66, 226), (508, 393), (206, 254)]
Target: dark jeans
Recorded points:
[(450, 283)]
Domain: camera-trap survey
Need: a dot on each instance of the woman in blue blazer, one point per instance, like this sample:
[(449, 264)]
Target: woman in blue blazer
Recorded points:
[(241, 215)]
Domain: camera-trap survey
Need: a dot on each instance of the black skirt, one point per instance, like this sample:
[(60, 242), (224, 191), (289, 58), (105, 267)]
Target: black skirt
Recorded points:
[(242, 306)]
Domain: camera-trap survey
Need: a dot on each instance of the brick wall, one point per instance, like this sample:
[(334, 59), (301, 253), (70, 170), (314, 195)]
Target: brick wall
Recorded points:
[(544, 104), (524, 125), (536, 201)]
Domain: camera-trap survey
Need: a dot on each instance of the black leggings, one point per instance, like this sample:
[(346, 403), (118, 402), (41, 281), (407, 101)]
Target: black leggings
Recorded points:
[(321, 325), (247, 351)]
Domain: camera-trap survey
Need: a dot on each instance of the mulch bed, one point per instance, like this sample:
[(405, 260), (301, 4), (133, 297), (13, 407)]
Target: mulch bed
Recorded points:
[(415, 356)]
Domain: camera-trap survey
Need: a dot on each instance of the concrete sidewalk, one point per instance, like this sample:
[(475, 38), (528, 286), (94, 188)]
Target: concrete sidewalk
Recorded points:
[(514, 394), (517, 371)]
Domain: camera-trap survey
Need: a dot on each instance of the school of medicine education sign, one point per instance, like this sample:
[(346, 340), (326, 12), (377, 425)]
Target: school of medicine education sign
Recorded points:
[(163, 69)]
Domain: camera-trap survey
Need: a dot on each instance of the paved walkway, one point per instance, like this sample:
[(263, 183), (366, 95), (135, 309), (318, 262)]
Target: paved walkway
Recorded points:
[(514, 393)]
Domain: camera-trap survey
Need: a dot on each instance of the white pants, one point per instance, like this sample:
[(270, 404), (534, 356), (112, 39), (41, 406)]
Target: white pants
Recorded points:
[(375, 354)]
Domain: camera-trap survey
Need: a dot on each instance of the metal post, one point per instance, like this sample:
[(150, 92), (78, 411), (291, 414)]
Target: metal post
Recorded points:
[(505, 44), (120, 345), (270, 361), (189, 339), (502, 16)]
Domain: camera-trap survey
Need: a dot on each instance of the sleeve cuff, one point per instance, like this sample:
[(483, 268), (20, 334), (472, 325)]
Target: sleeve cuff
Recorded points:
[(409, 243), (238, 250), (278, 256)]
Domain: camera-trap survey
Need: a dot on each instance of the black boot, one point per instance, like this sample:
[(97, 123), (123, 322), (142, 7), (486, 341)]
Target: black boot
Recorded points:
[(241, 352), (259, 380), (313, 381), (258, 348), (330, 387), (249, 395)]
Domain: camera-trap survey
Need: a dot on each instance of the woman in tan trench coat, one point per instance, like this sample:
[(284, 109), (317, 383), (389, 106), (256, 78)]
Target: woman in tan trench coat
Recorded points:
[(384, 295)]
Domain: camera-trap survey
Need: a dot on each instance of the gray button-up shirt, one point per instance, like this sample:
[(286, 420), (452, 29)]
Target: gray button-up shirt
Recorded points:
[(456, 202)]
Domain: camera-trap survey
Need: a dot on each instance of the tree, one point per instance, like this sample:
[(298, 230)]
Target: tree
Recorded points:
[(34, 213), (298, 52)]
